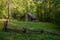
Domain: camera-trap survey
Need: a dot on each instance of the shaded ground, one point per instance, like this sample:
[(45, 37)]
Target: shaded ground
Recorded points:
[(17, 36)]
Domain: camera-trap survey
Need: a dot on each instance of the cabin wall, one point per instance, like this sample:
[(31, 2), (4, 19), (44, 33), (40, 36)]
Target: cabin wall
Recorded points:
[(28, 18)]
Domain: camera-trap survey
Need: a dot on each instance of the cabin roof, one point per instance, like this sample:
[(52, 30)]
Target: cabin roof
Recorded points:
[(31, 15)]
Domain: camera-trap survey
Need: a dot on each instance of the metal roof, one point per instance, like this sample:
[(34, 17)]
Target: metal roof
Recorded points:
[(32, 15)]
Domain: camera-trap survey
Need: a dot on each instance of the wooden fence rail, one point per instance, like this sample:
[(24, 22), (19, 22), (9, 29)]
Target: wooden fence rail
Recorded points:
[(33, 31)]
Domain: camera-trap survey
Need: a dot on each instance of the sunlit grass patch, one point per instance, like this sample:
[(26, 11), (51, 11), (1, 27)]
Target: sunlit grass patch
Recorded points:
[(39, 25), (1, 25)]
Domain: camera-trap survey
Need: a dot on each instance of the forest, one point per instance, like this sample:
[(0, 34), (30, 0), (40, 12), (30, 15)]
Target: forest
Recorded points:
[(44, 10), (38, 14)]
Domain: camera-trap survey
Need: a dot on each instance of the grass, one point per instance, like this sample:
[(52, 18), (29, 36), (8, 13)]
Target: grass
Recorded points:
[(1, 25), (19, 24), (39, 25), (17, 36)]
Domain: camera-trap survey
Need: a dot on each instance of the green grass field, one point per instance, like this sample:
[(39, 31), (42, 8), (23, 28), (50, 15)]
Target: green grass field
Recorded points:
[(19, 24), (17, 36), (38, 25)]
